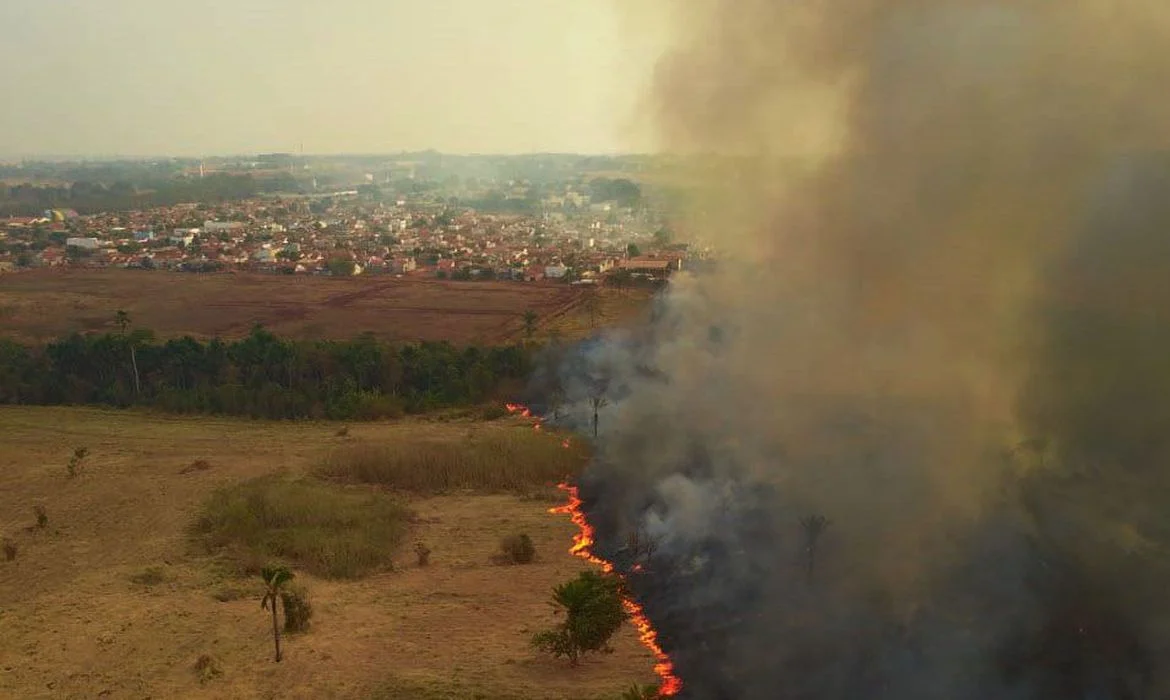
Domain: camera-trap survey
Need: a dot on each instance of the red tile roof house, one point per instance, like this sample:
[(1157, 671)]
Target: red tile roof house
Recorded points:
[(52, 256)]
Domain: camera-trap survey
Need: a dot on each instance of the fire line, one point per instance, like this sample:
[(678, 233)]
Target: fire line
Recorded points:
[(582, 547), (583, 541)]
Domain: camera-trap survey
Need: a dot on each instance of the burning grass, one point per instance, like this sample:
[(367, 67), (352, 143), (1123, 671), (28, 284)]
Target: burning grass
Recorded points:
[(582, 547), (326, 530), (496, 461)]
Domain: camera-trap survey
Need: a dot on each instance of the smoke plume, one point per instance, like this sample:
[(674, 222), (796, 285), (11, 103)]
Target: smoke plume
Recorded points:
[(909, 438)]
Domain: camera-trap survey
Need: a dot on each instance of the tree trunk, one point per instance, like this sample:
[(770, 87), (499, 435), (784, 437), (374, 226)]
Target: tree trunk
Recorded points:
[(134, 363), (594, 423), (275, 630)]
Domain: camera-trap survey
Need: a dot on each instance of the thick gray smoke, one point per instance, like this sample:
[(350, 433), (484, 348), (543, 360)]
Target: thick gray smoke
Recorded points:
[(948, 334)]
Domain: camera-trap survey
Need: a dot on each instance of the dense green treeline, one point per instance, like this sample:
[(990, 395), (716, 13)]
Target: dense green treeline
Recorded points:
[(261, 375)]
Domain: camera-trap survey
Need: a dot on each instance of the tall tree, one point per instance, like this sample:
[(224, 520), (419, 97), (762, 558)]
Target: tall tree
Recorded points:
[(275, 579), (598, 401), (123, 320)]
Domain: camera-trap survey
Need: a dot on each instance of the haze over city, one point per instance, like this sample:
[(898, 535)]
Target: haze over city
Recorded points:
[(136, 78)]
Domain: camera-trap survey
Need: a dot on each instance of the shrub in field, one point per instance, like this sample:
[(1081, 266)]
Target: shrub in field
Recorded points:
[(593, 612), (199, 465), (423, 552), (9, 550), (207, 669), (73, 468), (41, 515), (151, 576), (327, 530), (298, 609), (517, 549)]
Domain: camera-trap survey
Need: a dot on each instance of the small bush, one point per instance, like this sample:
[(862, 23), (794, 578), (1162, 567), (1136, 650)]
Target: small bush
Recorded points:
[(323, 529), (9, 550), (423, 552), (73, 468), (343, 432), (298, 610), (593, 612), (207, 669), (517, 549), (199, 465), (41, 515), (151, 576), (493, 460)]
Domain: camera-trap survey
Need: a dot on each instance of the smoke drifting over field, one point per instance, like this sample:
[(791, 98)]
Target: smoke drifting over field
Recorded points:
[(949, 335)]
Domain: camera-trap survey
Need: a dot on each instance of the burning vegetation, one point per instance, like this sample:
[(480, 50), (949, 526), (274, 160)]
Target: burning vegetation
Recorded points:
[(583, 547), (907, 439)]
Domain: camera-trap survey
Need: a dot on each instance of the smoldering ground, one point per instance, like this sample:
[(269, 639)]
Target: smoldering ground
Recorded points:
[(947, 336)]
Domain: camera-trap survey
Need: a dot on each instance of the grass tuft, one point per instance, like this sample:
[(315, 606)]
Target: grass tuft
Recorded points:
[(151, 576), (199, 465), (326, 530), (513, 460), (207, 669)]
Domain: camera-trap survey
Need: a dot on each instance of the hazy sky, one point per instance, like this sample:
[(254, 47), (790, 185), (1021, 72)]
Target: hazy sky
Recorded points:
[(148, 77)]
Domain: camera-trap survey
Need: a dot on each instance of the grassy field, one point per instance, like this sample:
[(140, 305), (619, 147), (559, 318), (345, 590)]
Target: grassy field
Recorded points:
[(119, 594), (41, 304)]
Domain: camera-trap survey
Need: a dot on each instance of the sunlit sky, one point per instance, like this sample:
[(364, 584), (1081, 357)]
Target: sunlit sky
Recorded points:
[(191, 77)]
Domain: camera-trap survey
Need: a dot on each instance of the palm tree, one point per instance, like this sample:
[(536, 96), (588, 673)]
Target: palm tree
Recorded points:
[(123, 320), (275, 578), (814, 526), (598, 401)]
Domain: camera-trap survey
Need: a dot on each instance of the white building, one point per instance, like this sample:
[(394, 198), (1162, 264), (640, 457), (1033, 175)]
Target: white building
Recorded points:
[(83, 243), (222, 226)]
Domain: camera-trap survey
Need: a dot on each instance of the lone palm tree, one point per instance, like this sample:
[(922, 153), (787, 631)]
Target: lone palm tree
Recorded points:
[(598, 401), (123, 320), (275, 578), (814, 526)]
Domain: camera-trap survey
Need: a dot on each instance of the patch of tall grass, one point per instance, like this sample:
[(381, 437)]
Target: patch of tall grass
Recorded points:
[(513, 460), (321, 528)]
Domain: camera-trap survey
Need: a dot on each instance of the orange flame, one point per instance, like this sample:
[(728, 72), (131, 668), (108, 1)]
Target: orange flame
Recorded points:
[(582, 547), (518, 408), (524, 412)]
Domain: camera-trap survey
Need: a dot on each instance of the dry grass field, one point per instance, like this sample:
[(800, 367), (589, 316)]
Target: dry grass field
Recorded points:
[(42, 304), (113, 598)]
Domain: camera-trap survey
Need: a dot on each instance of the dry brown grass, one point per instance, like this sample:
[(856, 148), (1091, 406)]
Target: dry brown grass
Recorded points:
[(517, 460), (43, 304), (313, 526), (74, 625)]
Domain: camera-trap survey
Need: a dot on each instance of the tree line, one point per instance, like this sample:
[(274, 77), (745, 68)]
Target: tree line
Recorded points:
[(88, 197), (261, 375)]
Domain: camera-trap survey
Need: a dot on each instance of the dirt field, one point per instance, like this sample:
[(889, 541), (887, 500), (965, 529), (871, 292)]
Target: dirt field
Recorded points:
[(76, 625), (42, 304)]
